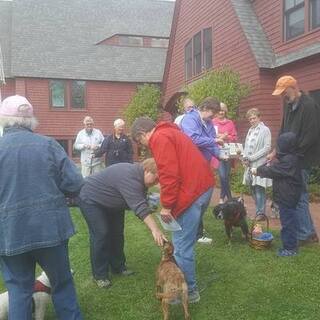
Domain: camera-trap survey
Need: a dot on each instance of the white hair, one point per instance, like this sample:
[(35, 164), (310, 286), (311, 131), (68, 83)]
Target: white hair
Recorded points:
[(118, 123), (87, 118), (27, 122)]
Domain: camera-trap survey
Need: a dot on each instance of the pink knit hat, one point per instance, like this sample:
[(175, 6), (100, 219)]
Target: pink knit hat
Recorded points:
[(16, 106)]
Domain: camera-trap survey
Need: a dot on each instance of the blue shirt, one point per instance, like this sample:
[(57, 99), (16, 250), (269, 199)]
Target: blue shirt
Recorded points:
[(202, 133)]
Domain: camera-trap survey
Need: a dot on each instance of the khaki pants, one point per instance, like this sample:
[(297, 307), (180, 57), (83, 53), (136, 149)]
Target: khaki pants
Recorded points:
[(87, 171)]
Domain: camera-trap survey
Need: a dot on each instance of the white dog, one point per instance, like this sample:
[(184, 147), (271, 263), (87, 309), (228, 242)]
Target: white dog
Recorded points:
[(41, 298)]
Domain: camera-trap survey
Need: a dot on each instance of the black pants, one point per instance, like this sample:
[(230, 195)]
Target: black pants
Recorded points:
[(106, 228)]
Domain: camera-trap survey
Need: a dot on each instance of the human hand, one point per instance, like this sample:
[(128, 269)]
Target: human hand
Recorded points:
[(219, 141), (253, 171), (245, 161), (271, 155), (94, 147), (166, 215), (158, 237)]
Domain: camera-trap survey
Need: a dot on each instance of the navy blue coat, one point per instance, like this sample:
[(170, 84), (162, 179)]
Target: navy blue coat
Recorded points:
[(286, 172)]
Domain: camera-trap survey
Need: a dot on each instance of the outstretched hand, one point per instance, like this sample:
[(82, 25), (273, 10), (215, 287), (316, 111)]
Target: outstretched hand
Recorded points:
[(159, 237)]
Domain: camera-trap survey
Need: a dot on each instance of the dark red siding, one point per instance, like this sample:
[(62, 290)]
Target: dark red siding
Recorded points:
[(8, 89), (270, 15), (231, 47)]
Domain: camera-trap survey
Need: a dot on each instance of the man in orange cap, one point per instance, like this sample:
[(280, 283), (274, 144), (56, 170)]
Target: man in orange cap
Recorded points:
[(301, 115)]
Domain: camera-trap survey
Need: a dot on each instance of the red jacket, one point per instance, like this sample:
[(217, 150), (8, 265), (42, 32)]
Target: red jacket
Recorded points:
[(184, 174)]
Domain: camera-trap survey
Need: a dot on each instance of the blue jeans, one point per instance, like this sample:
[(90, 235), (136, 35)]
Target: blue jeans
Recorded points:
[(305, 223), (259, 197), (19, 276), (185, 239), (289, 224), (106, 229), (224, 173)]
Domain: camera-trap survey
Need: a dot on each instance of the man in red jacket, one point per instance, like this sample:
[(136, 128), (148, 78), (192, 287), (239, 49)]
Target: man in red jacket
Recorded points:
[(186, 186)]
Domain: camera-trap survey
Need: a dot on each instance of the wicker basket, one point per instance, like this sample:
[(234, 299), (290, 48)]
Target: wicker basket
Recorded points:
[(260, 244)]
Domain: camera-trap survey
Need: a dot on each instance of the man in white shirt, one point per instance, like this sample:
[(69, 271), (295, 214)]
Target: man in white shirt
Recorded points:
[(88, 140)]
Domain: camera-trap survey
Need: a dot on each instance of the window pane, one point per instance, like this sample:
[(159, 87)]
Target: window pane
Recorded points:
[(315, 13), (160, 43), (197, 53), (78, 94), (288, 4), (131, 41), (57, 92), (188, 60), (295, 23), (207, 47), (64, 144)]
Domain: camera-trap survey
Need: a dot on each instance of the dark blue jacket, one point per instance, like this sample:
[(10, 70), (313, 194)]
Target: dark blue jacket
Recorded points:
[(116, 150), (286, 172), (36, 174)]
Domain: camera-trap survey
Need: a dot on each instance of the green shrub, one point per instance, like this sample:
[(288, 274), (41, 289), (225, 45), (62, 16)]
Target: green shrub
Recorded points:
[(222, 83), (315, 176), (146, 102), (236, 178)]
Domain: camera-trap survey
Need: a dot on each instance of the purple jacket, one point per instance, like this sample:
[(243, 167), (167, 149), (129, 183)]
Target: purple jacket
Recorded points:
[(202, 134)]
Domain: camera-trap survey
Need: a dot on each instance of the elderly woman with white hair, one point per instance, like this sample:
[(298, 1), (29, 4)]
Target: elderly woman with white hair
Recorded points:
[(117, 147), (35, 222)]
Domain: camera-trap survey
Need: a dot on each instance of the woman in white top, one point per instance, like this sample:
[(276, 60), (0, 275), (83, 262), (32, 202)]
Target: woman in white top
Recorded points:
[(257, 147)]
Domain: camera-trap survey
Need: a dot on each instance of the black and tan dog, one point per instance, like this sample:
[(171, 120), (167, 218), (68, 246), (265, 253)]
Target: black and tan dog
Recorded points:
[(170, 282), (234, 214)]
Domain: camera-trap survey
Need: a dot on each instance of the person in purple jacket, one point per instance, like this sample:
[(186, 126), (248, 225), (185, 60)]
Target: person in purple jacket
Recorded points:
[(197, 124)]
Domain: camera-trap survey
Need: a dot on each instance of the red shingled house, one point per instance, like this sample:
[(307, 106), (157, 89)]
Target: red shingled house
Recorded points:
[(262, 40), (77, 57)]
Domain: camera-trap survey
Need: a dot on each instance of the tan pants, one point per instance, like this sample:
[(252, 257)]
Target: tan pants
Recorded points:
[(87, 171)]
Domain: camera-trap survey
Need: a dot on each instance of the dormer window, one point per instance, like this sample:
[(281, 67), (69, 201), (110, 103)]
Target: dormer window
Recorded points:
[(125, 40), (131, 41)]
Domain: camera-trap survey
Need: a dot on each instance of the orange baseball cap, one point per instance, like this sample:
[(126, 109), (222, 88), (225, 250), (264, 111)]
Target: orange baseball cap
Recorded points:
[(283, 83)]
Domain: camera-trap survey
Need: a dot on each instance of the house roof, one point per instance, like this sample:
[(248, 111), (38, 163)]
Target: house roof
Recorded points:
[(259, 43), (5, 31), (254, 33), (59, 39)]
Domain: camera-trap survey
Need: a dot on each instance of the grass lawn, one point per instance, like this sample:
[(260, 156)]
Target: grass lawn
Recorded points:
[(236, 282)]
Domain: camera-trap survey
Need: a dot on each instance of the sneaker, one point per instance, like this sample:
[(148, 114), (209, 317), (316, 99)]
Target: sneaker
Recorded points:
[(194, 296), (286, 253), (125, 273), (103, 283), (205, 240)]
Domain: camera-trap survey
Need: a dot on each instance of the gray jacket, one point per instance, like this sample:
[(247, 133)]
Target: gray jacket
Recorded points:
[(120, 186), (256, 148)]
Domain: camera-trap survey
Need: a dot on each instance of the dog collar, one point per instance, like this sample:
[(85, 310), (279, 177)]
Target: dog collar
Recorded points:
[(40, 287)]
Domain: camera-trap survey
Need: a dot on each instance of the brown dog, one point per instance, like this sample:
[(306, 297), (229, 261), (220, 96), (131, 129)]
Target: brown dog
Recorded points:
[(171, 284)]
